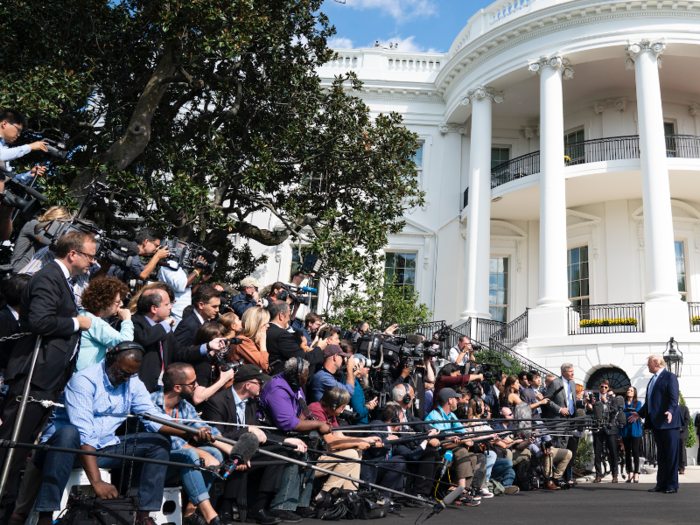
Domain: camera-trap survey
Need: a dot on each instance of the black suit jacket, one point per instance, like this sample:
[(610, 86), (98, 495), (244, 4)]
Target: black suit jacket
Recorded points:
[(47, 309), (222, 407), (8, 326), (149, 337), (187, 328), (281, 346)]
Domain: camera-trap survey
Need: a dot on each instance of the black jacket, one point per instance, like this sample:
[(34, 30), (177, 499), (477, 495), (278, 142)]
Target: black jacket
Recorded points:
[(281, 346), (187, 328), (47, 309), (8, 326), (149, 337), (222, 407), (685, 421)]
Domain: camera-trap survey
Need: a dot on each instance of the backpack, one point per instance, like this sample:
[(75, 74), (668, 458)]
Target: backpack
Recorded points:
[(526, 478)]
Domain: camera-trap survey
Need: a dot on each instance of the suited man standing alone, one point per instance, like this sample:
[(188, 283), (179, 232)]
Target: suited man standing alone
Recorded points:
[(49, 309), (661, 415), (561, 393)]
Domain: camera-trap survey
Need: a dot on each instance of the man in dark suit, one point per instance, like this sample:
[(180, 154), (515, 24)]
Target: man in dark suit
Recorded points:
[(684, 435), (48, 308), (282, 345), (153, 330), (561, 393), (9, 316), (661, 415), (206, 301), (239, 404)]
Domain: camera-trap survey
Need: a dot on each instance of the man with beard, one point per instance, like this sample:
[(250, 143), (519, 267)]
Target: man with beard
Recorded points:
[(179, 382)]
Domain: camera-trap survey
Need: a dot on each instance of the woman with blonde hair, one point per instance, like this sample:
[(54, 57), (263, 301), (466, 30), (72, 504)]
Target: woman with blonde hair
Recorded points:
[(253, 346), (231, 323), (26, 244)]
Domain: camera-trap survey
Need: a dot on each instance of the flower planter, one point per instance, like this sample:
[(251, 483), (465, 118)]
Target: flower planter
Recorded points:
[(610, 329)]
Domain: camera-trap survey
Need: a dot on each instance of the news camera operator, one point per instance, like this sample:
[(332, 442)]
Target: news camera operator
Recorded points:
[(148, 241), (26, 243), (599, 406), (153, 329), (415, 370), (451, 376), (12, 123), (181, 282)]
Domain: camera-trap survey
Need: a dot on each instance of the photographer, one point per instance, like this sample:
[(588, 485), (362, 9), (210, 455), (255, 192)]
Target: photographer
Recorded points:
[(607, 435), (450, 376), (554, 461), (181, 282), (253, 336), (247, 298), (210, 379), (148, 241), (102, 300), (462, 352), (359, 404), (299, 311), (312, 323), (334, 360), (26, 243), (417, 373)]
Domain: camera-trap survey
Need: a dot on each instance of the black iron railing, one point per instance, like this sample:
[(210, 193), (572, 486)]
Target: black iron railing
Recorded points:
[(694, 315), (485, 328), (648, 448), (523, 361), (606, 318), (683, 146), (426, 329), (512, 333), (596, 150), (516, 168)]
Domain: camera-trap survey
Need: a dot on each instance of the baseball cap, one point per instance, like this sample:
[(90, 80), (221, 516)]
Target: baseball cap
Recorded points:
[(250, 372), (332, 350), (445, 394)]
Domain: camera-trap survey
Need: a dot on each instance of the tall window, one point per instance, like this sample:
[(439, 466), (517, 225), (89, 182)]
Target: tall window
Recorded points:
[(297, 261), (418, 159), (577, 264), (498, 289), (400, 267), (499, 156), (575, 153), (680, 270), (671, 145)]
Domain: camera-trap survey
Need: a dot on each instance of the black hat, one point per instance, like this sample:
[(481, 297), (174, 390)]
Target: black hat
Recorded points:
[(248, 372)]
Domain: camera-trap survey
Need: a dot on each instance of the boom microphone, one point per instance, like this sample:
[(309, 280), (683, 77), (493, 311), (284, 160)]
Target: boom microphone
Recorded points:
[(523, 411), (598, 411), (244, 449), (447, 500), (413, 339), (445, 461)]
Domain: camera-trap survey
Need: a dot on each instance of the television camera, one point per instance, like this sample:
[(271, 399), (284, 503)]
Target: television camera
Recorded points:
[(296, 294), (11, 197), (186, 255)]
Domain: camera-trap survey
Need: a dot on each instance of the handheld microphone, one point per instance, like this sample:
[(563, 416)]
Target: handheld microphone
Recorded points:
[(445, 460), (307, 289), (413, 339), (243, 450)]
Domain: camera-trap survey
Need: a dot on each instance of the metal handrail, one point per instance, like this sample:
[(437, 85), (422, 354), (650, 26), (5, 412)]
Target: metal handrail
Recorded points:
[(595, 150), (512, 333), (694, 316)]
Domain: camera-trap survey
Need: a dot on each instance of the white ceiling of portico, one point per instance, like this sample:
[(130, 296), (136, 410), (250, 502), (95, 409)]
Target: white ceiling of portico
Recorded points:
[(593, 81)]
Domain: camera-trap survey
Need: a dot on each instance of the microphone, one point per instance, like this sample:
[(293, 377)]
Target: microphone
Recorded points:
[(445, 460), (522, 411), (598, 411), (619, 402), (447, 500), (307, 289), (413, 339), (244, 449), (580, 413)]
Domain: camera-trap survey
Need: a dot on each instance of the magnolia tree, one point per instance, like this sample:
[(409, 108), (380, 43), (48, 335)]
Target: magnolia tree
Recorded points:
[(197, 114)]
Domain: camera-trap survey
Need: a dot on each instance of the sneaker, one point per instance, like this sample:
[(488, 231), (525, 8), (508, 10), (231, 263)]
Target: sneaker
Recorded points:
[(486, 494), (511, 490), (468, 501), (287, 516)]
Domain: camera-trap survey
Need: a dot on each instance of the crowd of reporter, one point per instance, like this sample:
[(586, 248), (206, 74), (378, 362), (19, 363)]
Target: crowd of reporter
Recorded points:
[(233, 364)]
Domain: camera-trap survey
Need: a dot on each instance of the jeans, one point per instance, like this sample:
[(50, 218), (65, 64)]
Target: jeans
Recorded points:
[(491, 458), (503, 471), (58, 465), (195, 482), (295, 489)]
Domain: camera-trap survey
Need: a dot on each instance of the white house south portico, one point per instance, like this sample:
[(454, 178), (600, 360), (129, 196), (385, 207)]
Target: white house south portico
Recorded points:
[(561, 166)]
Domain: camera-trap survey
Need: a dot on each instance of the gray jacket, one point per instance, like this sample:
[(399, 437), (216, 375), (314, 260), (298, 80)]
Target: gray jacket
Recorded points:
[(556, 393)]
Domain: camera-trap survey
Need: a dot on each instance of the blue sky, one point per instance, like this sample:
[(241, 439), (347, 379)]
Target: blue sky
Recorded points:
[(416, 25)]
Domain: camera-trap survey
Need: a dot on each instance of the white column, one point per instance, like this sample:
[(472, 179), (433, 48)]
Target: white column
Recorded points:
[(553, 280), (664, 311), (645, 57), (478, 245)]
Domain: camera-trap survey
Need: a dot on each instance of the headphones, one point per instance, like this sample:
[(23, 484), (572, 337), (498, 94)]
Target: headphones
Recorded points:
[(300, 370), (111, 353), (407, 397), (335, 404)]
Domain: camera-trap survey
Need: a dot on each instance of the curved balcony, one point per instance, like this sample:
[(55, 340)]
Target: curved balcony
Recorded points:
[(596, 150)]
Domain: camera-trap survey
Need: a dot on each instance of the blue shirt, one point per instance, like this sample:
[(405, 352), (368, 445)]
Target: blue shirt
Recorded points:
[(135, 269), (97, 408), (177, 280), (439, 415), (240, 407), (7, 154), (632, 429), (569, 396), (324, 381), (183, 410)]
